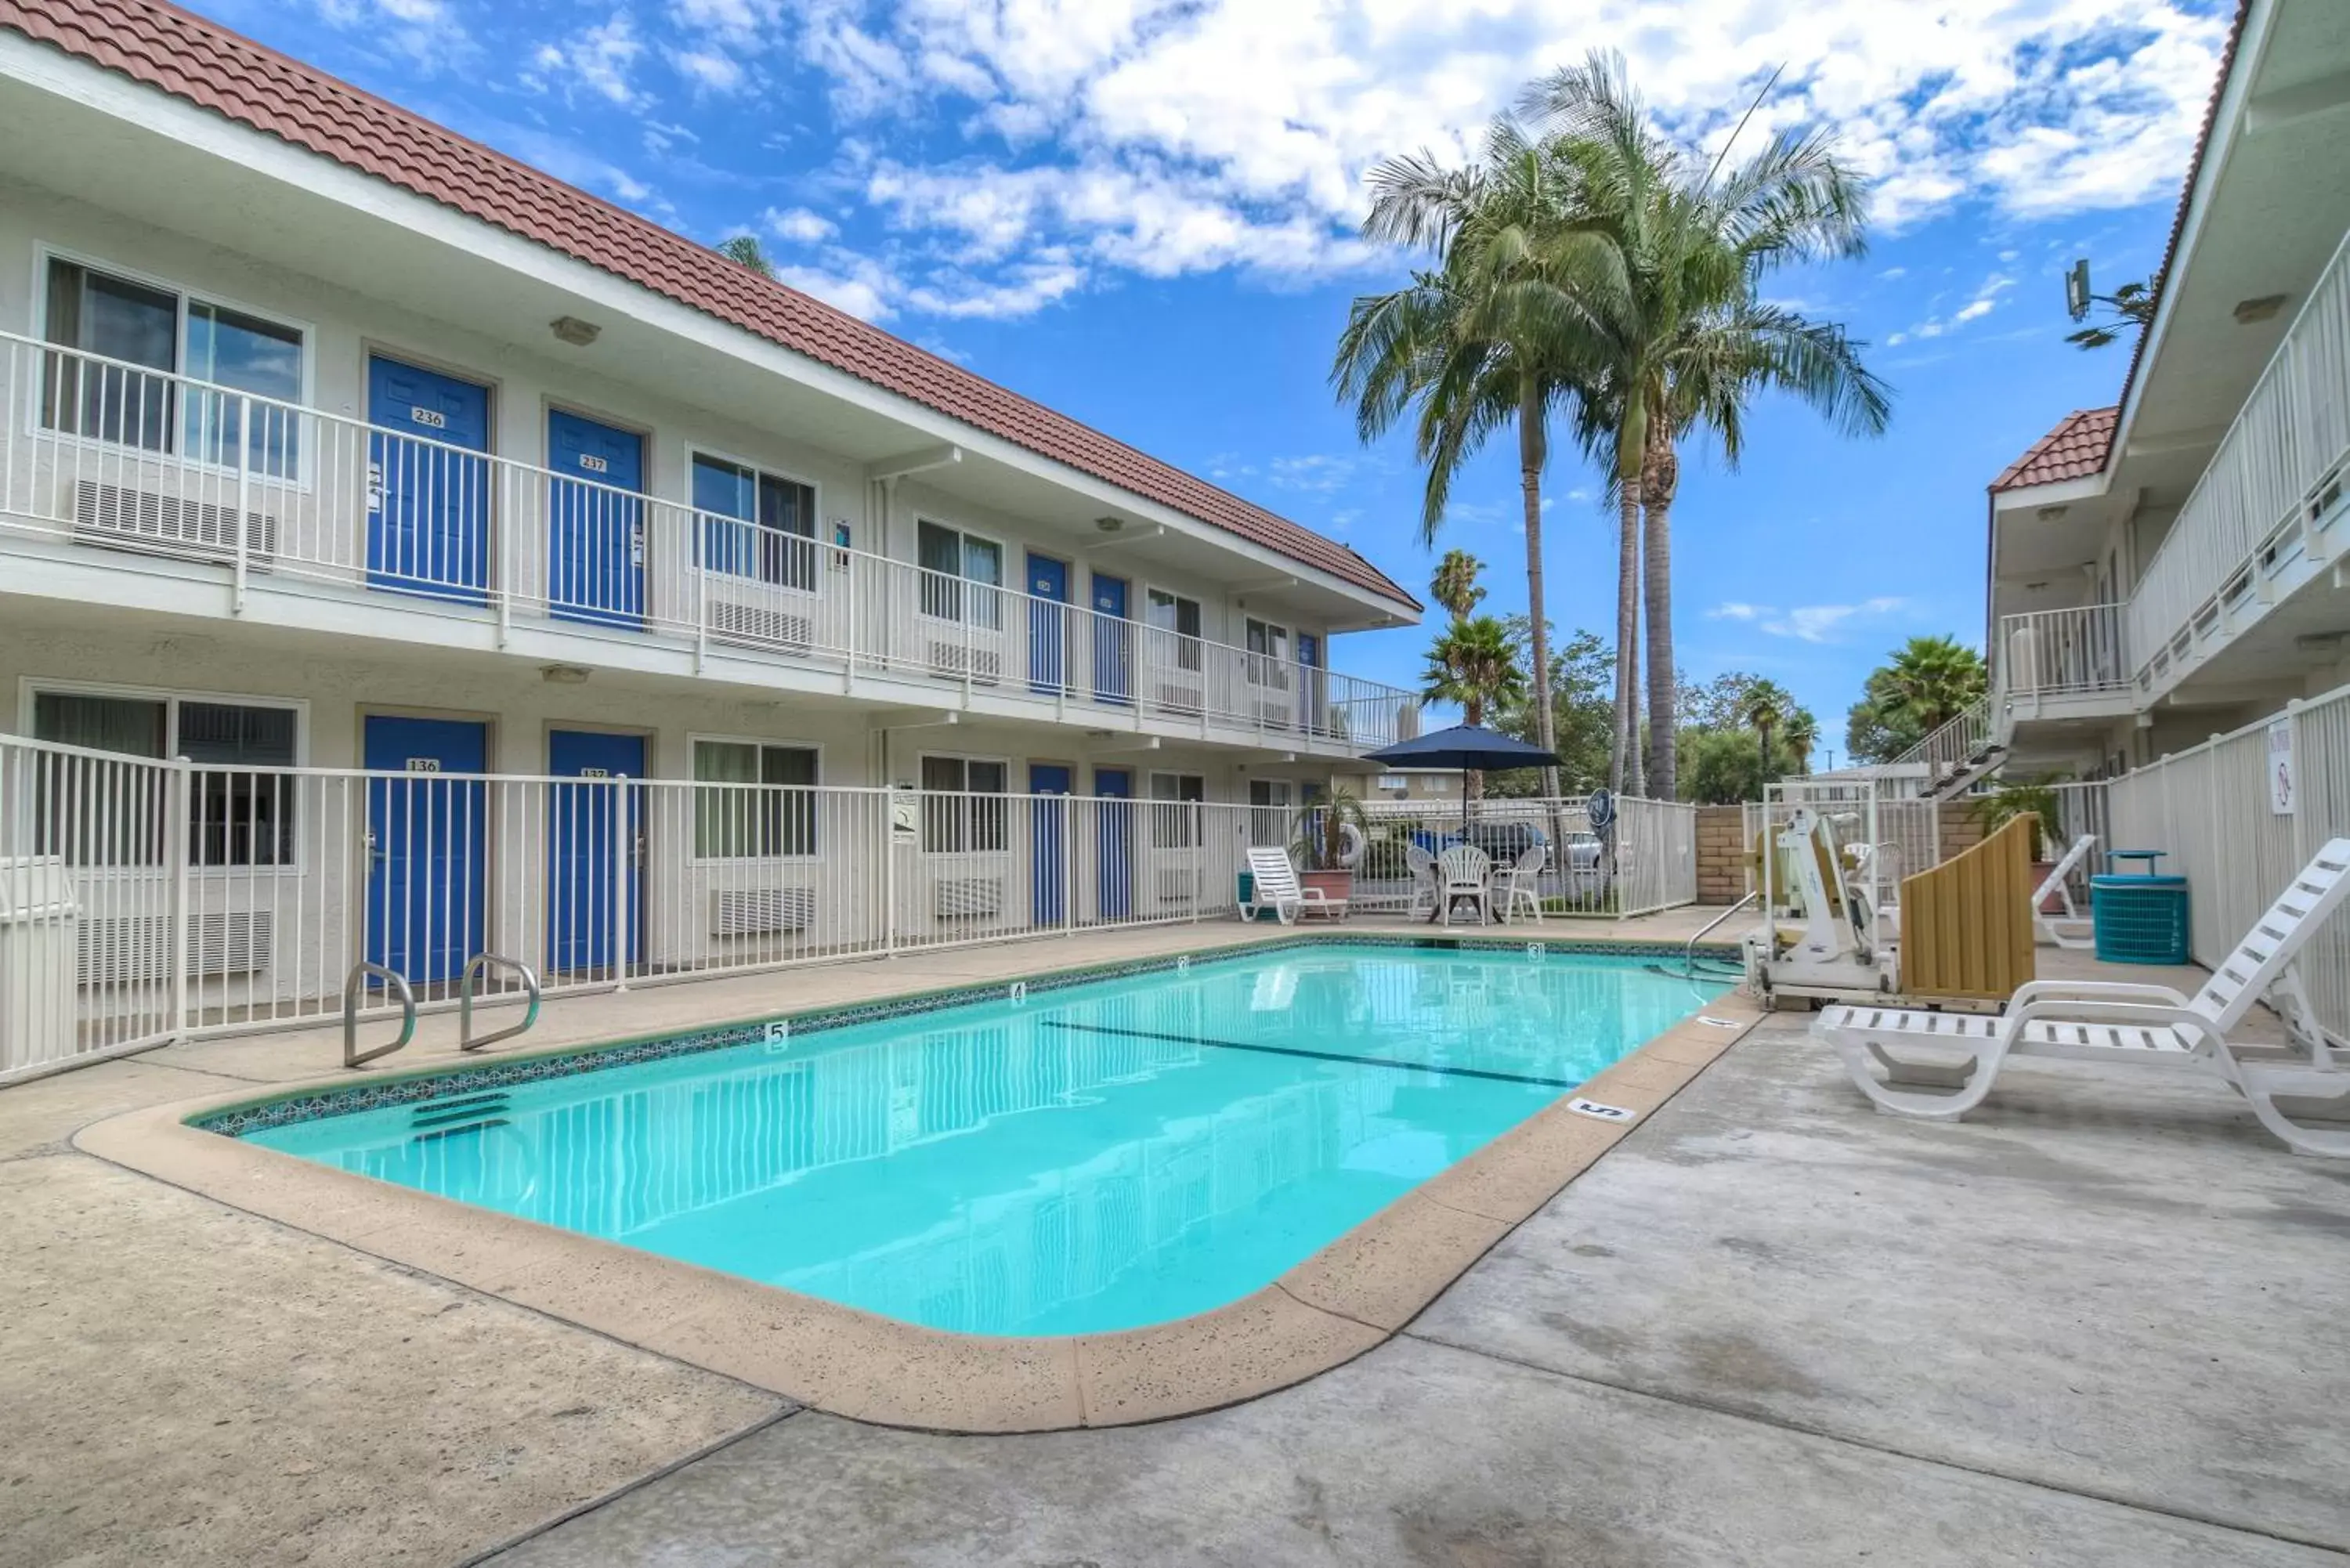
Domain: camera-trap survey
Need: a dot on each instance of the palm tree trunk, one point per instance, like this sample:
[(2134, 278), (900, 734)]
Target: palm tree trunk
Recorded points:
[(1472, 781), (1622, 771), (1533, 449), (1661, 477)]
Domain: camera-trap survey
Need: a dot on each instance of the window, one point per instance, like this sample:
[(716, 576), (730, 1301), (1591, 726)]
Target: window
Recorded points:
[(1268, 650), (240, 812), (755, 525), (956, 817), (169, 333), (1176, 619), (752, 801), (959, 568), (1173, 824), (1395, 782)]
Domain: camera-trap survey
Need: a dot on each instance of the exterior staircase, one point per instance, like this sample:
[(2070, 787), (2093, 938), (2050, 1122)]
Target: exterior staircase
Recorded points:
[(1958, 756)]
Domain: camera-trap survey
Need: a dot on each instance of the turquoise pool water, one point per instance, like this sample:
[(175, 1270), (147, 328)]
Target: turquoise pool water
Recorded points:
[(1104, 1157)]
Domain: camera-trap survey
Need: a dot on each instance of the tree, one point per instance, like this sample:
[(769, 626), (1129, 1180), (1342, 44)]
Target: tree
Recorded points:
[(1726, 767), (1686, 341), (1454, 586), (1765, 710), (1719, 704), (1582, 709), (744, 250), (2133, 306), (1801, 732), (1928, 682), (1489, 338), (1474, 664)]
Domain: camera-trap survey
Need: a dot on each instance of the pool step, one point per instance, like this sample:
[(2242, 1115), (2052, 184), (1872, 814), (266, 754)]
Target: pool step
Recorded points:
[(447, 1118)]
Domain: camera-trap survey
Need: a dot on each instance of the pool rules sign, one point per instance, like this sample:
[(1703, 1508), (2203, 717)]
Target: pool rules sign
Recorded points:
[(2283, 786)]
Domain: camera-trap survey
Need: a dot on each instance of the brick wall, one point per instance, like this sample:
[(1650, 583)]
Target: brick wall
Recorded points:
[(1959, 829), (1721, 855)]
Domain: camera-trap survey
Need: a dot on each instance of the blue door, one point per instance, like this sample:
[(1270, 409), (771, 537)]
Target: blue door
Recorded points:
[(427, 833), (596, 541), (1312, 694), (1113, 641), (580, 851), (428, 495), (1047, 820), (1049, 636), (1114, 846)]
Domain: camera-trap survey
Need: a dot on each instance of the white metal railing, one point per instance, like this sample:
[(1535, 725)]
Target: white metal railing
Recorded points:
[(2061, 653), (101, 452), (2277, 473), (2212, 810), (143, 899), (1903, 834), (1957, 745), (1644, 860)]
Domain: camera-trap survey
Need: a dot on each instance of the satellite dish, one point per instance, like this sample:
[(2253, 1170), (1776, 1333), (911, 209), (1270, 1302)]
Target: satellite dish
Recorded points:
[(1601, 809), (2077, 290)]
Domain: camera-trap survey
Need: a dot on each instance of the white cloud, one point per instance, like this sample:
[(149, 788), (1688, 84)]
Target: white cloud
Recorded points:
[(597, 59), (1319, 472), (425, 33), (854, 283), (1191, 134), (798, 225), (709, 69), (1806, 623)]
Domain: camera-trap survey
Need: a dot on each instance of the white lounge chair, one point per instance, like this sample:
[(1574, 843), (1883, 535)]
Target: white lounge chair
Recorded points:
[(1272, 885), (1464, 871), (1939, 1065), (2071, 928), (1421, 864), (1522, 883)]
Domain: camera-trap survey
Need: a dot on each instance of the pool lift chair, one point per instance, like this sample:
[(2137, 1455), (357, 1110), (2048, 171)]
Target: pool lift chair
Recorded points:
[(1820, 935)]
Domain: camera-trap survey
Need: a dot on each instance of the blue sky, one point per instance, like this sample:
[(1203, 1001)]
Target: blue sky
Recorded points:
[(1142, 213)]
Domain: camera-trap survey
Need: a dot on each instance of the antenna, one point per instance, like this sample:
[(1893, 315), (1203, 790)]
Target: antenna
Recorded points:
[(2077, 290)]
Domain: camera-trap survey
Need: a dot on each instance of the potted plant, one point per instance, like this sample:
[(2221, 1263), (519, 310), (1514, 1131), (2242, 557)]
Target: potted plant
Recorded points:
[(1325, 849), (2033, 797)]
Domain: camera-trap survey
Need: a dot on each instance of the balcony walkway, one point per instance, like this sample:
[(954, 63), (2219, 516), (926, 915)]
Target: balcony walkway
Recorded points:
[(2095, 1325)]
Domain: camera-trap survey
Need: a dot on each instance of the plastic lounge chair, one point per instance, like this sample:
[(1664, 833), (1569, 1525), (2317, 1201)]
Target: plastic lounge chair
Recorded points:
[(2071, 928), (1522, 883), (1462, 872), (1940, 1065), (1421, 864), (1272, 885)]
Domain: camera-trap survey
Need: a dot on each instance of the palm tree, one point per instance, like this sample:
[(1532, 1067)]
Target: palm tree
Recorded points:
[(1802, 732), (1475, 665), (1491, 336), (744, 250), (1454, 586), (1689, 342), (1764, 708), (1932, 680)]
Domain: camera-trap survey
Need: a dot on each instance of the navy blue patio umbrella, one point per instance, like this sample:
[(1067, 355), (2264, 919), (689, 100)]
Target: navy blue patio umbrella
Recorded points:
[(1470, 748)]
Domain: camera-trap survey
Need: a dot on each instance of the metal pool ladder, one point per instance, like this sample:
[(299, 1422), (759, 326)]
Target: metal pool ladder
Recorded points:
[(475, 967), (1689, 952), (352, 1056)]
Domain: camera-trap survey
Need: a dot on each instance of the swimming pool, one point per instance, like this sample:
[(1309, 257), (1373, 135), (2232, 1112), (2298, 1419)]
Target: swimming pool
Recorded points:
[(1107, 1156)]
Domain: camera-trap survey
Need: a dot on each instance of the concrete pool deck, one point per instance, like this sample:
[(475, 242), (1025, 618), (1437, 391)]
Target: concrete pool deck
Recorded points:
[(2097, 1323)]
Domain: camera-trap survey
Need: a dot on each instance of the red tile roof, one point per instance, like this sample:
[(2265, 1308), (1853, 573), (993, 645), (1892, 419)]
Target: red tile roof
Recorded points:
[(2075, 449), (162, 47)]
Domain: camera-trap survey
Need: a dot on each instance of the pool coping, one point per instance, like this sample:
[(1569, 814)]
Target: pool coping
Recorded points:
[(1350, 1296)]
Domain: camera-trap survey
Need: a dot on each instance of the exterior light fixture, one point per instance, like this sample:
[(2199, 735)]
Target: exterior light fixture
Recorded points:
[(564, 674), (1109, 524), (574, 331), (2250, 310)]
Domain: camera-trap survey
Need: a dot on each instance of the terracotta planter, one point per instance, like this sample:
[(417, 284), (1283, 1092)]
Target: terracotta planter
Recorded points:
[(1334, 885), (2051, 904)]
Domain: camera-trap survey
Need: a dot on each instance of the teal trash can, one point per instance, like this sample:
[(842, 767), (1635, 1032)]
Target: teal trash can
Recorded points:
[(2139, 919), (1247, 886)]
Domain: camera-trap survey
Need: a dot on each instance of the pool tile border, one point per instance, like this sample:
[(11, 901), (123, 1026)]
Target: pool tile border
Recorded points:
[(1352, 1295)]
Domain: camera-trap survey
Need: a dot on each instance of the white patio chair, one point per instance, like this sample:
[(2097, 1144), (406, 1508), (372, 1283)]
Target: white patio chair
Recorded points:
[(1464, 871), (1940, 1065), (1421, 865), (2071, 928), (1522, 884), (1272, 885)]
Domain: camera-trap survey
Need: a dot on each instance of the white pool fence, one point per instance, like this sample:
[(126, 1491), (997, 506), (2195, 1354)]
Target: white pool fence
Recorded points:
[(143, 901)]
